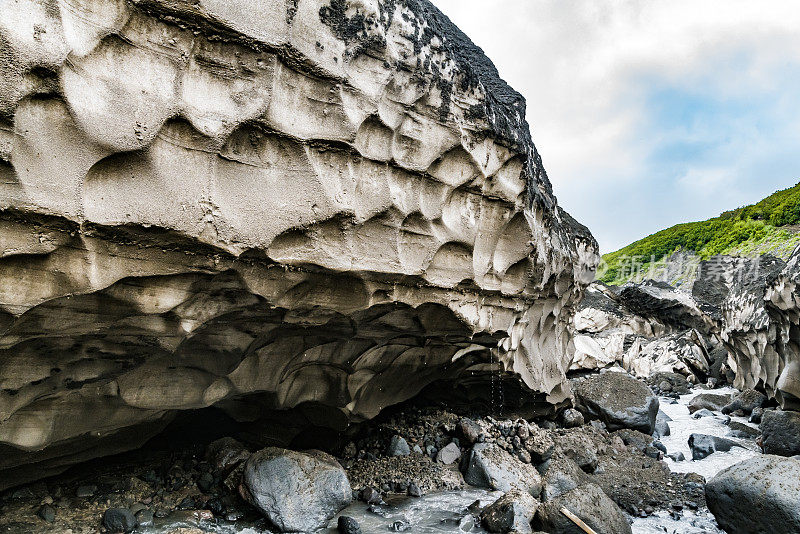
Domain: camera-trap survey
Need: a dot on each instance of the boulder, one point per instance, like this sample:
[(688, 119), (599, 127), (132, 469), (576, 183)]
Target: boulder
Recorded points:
[(296, 491), (742, 431), (709, 401), (560, 475), (470, 430), (489, 466), (449, 454), (118, 520), (703, 445), (662, 429), (219, 203), (760, 495), (746, 401), (780, 432), (571, 418), (398, 446), (513, 512), (590, 504), (619, 400), (347, 525), (225, 454)]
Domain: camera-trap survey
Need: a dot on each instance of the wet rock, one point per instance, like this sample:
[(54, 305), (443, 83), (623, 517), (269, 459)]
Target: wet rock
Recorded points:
[(119, 520), (400, 525), (398, 446), (710, 401), (757, 496), (513, 512), (296, 492), (742, 431), (746, 401), (780, 432), (46, 513), (661, 429), (702, 413), (571, 418), (590, 504), (756, 416), (677, 456), (619, 400), (489, 466), (144, 518), (226, 454), (414, 490), (347, 525), (370, 495), (450, 454), (703, 445)]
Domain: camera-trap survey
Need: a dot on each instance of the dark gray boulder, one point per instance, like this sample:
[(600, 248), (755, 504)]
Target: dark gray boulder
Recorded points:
[(709, 401), (590, 504), (703, 445), (296, 491), (398, 446), (742, 431), (746, 401), (780, 432), (619, 400), (760, 495), (489, 466), (119, 520), (225, 454), (513, 512), (560, 475), (347, 525)]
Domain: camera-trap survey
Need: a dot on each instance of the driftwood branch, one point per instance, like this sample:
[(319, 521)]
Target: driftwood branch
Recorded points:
[(577, 520)]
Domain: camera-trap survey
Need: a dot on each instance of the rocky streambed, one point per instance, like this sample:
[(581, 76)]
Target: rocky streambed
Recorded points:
[(422, 469)]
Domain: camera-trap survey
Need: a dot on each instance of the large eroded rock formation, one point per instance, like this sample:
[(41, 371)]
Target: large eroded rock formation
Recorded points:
[(261, 205)]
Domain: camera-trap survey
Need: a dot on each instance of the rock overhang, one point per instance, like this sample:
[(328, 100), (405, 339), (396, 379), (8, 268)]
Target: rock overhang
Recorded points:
[(335, 202)]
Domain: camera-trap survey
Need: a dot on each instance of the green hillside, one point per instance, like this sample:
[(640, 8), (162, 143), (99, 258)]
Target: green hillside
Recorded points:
[(756, 229)]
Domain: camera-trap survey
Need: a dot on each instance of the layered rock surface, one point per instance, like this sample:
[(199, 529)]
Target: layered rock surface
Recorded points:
[(267, 205)]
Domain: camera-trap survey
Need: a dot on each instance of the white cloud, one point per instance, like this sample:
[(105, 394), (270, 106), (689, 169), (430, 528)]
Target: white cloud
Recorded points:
[(586, 69)]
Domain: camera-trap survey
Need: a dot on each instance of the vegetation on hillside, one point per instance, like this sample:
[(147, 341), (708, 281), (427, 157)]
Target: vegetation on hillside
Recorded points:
[(758, 228)]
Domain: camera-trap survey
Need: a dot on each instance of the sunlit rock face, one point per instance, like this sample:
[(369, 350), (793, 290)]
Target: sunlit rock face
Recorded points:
[(261, 205), (646, 328)]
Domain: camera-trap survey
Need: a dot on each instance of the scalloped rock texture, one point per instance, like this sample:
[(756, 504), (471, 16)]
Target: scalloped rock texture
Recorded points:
[(308, 203), (761, 317)]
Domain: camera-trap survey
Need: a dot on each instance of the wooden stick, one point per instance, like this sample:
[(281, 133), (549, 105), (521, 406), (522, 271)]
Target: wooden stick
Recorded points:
[(577, 520)]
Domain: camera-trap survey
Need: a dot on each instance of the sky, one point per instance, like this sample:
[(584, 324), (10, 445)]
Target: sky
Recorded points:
[(650, 113)]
